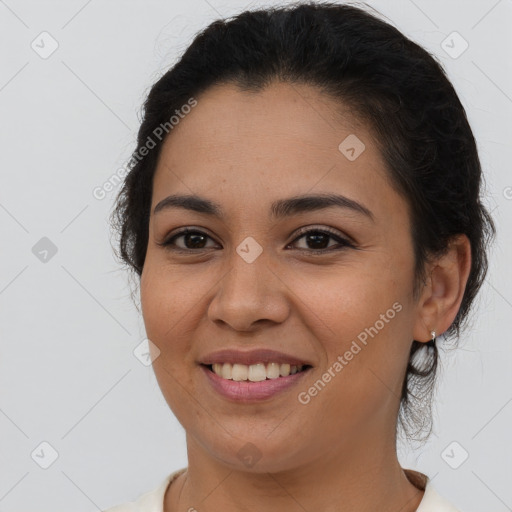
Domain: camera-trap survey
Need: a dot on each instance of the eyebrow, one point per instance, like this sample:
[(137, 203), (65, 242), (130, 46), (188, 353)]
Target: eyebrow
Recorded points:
[(278, 209)]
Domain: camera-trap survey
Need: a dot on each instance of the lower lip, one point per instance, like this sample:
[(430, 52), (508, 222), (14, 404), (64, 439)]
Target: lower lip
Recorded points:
[(247, 391)]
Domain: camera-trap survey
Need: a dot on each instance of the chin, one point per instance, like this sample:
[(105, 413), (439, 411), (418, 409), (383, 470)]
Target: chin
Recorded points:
[(255, 454)]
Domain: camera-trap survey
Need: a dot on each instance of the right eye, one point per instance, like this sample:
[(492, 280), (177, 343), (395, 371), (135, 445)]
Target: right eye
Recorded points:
[(192, 237)]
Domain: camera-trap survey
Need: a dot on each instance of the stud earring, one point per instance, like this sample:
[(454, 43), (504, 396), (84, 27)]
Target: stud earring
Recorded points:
[(432, 342)]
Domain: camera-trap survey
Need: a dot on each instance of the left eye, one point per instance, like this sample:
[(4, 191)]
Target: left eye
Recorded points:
[(195, 239), (318, 237)]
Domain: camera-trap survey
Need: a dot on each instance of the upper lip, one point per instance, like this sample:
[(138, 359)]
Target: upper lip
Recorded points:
[(248, 357)]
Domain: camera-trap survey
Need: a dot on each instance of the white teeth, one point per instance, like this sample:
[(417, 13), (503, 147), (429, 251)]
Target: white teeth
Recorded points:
[(257, 372), (239, 372), (225, 372), (254, 372), (272, 370)]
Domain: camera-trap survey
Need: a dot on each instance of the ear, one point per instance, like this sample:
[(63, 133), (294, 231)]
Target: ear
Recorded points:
[(443, 291)]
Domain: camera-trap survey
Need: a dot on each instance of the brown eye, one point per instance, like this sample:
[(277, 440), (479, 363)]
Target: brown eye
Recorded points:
[(317, 240), (192, 240)]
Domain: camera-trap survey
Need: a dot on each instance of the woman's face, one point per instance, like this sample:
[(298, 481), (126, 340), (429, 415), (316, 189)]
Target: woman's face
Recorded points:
[(251, 279)]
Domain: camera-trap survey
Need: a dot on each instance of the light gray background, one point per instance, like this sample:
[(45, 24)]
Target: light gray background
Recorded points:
[(68, 328)]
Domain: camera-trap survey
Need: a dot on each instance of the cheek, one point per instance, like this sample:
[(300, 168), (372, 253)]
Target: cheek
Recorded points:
[(167, 302), (341, 302), (173, 304), (168, 295), (361, 317)]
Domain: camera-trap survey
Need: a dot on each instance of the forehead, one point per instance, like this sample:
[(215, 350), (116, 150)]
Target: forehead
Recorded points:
[(283, 140)]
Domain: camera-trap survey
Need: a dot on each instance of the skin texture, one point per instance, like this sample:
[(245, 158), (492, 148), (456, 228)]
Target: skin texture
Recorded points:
[(336, 453)]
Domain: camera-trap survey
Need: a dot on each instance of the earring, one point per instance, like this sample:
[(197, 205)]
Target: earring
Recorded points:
[(432, 342)]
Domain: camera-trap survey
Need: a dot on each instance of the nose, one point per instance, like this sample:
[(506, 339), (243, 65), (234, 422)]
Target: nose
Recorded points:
[(249, 295)]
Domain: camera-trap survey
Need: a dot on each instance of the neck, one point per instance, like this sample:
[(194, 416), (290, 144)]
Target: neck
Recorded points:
[(372, 480)]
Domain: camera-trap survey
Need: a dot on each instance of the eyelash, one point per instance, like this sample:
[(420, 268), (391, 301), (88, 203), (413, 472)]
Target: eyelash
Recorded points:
[(342, 242)]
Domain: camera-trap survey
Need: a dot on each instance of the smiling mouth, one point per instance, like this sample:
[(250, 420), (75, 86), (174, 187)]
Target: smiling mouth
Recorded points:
[(255, 372)]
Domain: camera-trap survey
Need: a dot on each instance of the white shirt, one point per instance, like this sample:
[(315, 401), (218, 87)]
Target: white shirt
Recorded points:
[(153, 501)]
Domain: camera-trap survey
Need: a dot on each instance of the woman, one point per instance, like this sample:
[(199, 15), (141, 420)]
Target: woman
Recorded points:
[(303, 211)]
